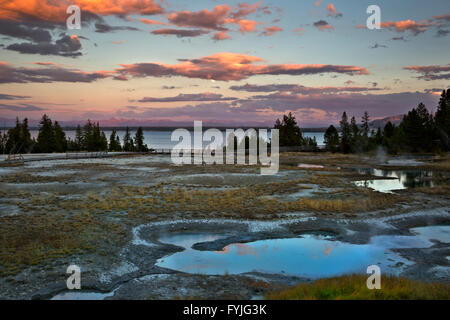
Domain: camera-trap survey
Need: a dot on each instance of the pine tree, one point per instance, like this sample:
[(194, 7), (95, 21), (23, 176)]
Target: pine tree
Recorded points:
[(332, 139), (140, 146), (355, 141), (25, 137), (365, 125), (442, 119), (345, 133), (417, 129), (290, 133), (46, 136), (3, 139), (14, 143), (118, 145), (128, 144), (79, 139), (60, 138), (113, 146)]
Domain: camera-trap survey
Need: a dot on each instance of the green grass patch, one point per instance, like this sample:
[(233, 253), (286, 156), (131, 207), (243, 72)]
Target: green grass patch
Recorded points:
[(353, 287)]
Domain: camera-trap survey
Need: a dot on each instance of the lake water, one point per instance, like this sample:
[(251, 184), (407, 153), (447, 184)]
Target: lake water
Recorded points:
[(162, 139)]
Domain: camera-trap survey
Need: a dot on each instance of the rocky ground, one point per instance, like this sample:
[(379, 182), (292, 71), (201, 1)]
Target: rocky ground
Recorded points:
[(106, 216)]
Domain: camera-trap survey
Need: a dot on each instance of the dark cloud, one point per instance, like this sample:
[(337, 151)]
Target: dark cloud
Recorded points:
[(66, 46), (442, 33), (399, 39), (322, 25), (105, 28), (180, 33), (52, 73), (299, 89), (25, 31), (376, 46), (12, 97), (169, 87), (22, 107), (190, 97), (433, 72)]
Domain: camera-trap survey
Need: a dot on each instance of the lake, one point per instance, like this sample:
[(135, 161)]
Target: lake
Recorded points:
[(161, 139)]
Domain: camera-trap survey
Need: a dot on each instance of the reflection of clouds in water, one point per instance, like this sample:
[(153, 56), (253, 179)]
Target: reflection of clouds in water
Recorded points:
[(224, 250), (327, 250), (244, 250)]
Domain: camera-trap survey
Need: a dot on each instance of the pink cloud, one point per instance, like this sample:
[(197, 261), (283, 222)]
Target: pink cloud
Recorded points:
[(55, 11), (153, 22), (433, 72), (332, 12), (231, 66), (270, 31), (407, 25), (214, 19), (221, 35)]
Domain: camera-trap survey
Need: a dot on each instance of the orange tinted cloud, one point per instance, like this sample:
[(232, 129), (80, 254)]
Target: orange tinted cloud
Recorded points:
[(332, 12), (55, 11), (217, 18), (221, 35), (406, 25), (214, 19), (153, 22), (231, 66), (244, 25), (269, 31)]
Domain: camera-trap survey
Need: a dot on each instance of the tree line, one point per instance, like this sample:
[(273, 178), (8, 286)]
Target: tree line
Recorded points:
[(52, 138), (419, 131)]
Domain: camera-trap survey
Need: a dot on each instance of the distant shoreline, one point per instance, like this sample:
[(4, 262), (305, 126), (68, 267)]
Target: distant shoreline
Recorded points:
[(181, 127)]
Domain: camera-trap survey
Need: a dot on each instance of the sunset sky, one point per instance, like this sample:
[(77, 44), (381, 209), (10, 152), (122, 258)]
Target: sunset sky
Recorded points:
[(224, 62)]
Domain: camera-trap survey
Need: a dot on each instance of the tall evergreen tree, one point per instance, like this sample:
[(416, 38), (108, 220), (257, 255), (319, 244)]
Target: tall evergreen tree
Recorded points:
[(345, 134), (442, 119), (290, 133), (365, 125), (140, 146), (128, 144), (417, 129), (79, 139), (114, 142), (60, 138), (331, 138), (25, 136), (46, 136), (14, 143)]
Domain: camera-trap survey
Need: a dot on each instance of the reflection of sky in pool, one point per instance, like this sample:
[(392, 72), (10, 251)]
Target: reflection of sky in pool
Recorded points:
[(82, 295), (308, 256), (402, 179)]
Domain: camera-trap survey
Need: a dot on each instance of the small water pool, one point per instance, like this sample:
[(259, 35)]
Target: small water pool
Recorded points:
[(395, 179), (311, 256), (82, 295)]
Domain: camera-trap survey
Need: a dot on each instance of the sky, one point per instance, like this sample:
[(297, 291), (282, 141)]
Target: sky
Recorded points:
[(167, 62)]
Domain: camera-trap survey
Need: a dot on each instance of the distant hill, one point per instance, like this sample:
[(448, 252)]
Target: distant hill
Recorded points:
[(380, 123)]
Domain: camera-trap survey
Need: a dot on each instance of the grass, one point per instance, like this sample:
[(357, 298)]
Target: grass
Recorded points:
[(353, 287), (33, 239)]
